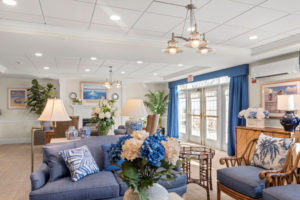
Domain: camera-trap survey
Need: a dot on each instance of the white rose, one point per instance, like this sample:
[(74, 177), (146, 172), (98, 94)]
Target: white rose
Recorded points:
[(131, 149), (101, 115), (107, 115), (140, 135), (172, 150), (97, 110)]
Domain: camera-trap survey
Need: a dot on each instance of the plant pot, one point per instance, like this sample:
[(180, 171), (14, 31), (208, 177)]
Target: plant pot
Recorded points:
[(255, 123), (156, 192), (103, 131)]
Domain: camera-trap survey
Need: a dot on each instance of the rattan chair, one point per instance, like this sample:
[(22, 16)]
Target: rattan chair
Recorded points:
[(243, 181)]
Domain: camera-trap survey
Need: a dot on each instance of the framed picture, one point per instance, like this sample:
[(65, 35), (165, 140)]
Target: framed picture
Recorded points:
[(92, 91), (270, 91), (16, 98)]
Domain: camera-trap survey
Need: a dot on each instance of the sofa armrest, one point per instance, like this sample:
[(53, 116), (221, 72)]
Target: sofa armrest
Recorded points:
[(40, 177)]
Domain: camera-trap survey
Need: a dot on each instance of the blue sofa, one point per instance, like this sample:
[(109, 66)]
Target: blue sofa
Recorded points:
[(47, 184)]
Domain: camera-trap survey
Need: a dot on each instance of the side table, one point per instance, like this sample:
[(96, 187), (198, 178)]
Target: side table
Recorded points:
[(48, 136)]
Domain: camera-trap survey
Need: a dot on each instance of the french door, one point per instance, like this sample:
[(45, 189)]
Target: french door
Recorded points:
[(203, 115)]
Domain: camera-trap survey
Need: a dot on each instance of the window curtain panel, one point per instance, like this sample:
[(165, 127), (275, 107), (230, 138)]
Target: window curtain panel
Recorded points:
[(172, 128), (238, 100)]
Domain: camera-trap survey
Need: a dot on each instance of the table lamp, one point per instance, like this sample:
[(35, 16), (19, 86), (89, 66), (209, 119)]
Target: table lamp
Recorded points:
[(289, 103), (54, 111), (135, 109)]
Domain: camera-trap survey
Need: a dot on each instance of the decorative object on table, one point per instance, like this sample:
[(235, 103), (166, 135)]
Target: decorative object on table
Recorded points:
[(54, 111), (38, 96), (157, 102), (254, 117), (17, 98), (270, 91), (72, 95), (80, 162), (143, 155), (71, 133), (289, 103), (115, 96), (92, 91), (135, 109), (121, 130), (110, 83), (152, 123), (270, 152), (77, 101), (104, 115), (85, 132)]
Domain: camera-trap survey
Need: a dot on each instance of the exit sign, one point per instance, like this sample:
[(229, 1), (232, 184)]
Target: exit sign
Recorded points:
[(190, 78)]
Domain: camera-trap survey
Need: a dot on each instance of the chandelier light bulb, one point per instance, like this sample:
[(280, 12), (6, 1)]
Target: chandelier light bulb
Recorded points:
[(195, 43), (172, 50)]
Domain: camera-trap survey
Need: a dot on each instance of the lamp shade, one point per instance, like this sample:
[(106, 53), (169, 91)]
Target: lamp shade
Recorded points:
[(54, 111), (288, 102), (134, 108)]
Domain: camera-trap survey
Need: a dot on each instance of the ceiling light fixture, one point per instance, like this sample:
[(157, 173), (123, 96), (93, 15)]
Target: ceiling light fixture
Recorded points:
[(87, 70), (155, 74), (194, 40), (93, 58), (46, 68), (10, 2), (115, 18), (253, 37), (180, 65), (38, 54), (139, 62), (123, 72), (110, 83)]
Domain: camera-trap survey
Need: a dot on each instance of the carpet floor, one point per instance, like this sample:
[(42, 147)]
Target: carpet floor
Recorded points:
[(15, 169)]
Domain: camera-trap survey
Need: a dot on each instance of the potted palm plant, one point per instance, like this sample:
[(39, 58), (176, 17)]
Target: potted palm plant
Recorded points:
[(157, 102)]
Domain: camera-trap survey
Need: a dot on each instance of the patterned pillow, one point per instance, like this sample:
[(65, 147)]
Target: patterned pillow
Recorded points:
[(270, 152), (80, 162)]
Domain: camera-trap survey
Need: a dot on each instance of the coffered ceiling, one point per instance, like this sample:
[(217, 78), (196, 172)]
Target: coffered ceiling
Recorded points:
[(69, 32)]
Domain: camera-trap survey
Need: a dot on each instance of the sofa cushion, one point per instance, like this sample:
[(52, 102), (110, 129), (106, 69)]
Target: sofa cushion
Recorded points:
[(55, 162), (39, 177), (107, 166), (270, 152), (102, 185), (122, 185), (287, 192), (180, 181), (80, 162), (243, 179)]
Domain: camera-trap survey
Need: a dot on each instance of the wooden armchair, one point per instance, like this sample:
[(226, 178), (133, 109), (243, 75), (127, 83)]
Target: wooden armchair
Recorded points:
[(242, 181)]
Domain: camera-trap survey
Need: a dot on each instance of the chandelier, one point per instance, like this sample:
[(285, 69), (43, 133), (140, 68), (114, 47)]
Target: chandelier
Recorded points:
[(195, 39), (110, 83)]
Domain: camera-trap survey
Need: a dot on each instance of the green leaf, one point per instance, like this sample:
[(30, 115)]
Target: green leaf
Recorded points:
[(129, 170)]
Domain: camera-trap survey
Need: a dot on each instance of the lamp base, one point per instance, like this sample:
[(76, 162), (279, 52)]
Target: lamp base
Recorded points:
[(289, 121), (132, 125)]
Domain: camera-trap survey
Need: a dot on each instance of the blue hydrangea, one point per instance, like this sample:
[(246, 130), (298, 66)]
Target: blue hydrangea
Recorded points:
[(115, 150), (159, 137), (153, 150), (252, 114)]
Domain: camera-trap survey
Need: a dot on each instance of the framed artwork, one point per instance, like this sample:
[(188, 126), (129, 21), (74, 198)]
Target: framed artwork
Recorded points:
[(92, 91), (16, 98), (270, 91)]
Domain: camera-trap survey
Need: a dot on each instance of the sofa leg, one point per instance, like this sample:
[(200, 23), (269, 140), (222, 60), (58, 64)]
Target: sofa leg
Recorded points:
[(218, 191)]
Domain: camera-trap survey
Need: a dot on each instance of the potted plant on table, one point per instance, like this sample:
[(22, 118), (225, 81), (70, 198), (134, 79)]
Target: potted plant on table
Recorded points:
[(103, 115), (255, 117), (146, 160)]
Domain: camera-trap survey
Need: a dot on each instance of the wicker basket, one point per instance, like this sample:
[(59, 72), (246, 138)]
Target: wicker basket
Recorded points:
[(255, 123)]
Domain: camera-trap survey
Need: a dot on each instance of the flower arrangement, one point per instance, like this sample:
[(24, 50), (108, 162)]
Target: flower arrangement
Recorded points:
[(103, 114), (254, 113), (143, 154), (77, 101)]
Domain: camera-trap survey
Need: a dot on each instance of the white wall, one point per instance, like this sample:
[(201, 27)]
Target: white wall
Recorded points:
[(15, 125)]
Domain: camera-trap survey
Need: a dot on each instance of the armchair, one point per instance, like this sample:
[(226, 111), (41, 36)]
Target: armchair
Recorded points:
[(242, 181)]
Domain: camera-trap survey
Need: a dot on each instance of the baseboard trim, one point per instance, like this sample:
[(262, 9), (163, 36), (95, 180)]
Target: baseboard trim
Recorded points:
[(14, 140)]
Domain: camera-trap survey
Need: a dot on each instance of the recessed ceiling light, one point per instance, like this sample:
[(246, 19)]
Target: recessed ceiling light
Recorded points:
[(115, 17), (46, 68), (38, 54), (10, 2), (139, 62), (123, 72), (93, 58), (180, 65), (253, 37), (155, 74), (87, 70)]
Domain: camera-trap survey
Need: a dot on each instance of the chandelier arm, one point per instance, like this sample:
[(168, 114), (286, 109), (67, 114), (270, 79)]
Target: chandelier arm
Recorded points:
[(184, 22), (182, 38)]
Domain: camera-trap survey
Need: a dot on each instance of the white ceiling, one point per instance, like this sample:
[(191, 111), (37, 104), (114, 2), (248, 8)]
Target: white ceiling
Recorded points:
[(69, 32)]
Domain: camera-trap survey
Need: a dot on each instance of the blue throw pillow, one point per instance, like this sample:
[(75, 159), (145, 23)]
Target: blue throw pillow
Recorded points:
[(107, 165), (80, 162)]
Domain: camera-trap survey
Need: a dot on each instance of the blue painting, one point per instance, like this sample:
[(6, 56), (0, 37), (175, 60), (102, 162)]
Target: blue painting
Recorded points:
[(92, 91)]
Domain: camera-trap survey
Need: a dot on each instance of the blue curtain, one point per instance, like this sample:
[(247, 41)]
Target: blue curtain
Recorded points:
[(238, 100), (173, 113)]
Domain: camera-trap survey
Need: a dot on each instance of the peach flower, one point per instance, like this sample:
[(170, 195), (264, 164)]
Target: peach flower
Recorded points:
[(131, 149), (172, 150)]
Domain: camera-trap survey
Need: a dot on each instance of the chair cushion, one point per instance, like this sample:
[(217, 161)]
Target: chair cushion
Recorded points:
[(102, 185), (243, 179), (270, 152), (107, 165), (80, 162), (287, 192)]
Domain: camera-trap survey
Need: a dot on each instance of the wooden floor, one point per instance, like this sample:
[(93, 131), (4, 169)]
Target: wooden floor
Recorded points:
[(15, 169)]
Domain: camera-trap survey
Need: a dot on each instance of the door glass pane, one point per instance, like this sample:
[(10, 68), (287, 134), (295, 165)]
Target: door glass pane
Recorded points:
[(211, 112), (195, 113), (182, 112), (196, 125)]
